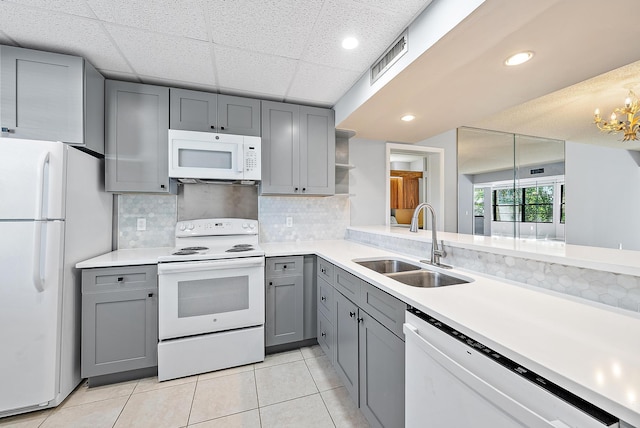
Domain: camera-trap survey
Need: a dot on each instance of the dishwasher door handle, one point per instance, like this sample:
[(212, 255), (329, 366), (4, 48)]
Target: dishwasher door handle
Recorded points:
[(480, 386)]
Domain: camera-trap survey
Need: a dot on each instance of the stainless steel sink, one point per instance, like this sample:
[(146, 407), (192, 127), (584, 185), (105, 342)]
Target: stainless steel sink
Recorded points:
[(386, 266), (426, 279), (411, 274)]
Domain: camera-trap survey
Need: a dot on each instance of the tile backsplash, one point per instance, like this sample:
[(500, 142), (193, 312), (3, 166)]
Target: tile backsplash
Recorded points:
[(160, 212), (613, 289), (313, 218)]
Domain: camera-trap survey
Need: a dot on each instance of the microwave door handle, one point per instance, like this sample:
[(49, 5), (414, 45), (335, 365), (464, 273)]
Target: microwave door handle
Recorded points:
[(240, 164)]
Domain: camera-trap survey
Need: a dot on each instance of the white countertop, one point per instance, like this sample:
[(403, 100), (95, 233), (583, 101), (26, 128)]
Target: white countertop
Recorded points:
[(590, 349), (606, 259)]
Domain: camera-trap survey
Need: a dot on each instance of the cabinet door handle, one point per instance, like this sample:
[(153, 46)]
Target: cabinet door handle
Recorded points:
[(150, 294), (304, 189), (352, 314), (295, 190), (270, 283), (222, 127), (324, 299), (322, 270), (284, 267), (213, 127), (162, 186), (120, 278), (323, 334), (360, 320)]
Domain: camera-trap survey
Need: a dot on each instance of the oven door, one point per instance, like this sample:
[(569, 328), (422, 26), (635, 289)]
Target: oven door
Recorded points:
[(205, 156), (209, 296)]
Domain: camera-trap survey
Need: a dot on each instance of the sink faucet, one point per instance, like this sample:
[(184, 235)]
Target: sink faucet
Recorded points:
[(436, 252)]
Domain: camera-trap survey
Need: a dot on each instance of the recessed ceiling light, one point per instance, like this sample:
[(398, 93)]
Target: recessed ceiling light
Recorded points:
[(519, 58), (408, 117), (350, 43)]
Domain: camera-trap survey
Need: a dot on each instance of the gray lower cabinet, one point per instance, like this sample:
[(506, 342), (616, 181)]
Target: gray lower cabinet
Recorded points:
[(208, 112), (360, 330), (298, 149), (119, 319), (381, 373), (137, 140), (50, 96), (284, 315)]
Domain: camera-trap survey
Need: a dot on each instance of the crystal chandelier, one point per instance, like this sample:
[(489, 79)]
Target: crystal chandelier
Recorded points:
[(628, 126)]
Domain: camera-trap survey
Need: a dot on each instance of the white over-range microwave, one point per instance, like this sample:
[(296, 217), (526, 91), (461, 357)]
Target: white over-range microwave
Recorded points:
[(209, 156)]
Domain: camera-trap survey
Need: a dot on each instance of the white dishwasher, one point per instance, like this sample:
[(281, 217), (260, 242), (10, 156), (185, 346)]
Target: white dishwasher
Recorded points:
[(454, 381)]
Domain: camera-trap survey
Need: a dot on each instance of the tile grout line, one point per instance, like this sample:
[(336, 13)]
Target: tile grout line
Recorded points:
[(125, 403), (193, 399), (255, 383)]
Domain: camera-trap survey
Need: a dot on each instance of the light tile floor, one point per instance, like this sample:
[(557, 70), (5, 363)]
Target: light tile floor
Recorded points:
[(291, 389)]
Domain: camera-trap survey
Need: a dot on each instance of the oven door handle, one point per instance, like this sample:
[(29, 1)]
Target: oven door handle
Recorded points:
[(176, 267)]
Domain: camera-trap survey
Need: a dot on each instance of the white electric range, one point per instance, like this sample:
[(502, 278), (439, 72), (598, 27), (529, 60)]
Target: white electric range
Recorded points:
[(211, 298)]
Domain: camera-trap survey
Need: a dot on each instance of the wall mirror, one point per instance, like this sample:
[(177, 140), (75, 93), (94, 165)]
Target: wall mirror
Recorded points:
[(510, 185), (414, 174)]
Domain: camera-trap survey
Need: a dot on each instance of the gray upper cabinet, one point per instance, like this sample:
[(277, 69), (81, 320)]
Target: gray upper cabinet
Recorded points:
[(137, 125), (49, 96), (298, 149), (207, 112)]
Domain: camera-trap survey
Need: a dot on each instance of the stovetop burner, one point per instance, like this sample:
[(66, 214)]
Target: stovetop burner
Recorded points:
[(239, 248), (184, 252), (194, 248)]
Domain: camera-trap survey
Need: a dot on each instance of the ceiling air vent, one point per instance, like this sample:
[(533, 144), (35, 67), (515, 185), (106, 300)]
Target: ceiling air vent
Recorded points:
[(391, 55)]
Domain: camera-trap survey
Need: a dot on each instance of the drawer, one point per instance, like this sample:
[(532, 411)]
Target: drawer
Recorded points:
[(326, 336), (325, 298), (385, 308), (284, 266), (119, 278), (348, 284), (325, 270)]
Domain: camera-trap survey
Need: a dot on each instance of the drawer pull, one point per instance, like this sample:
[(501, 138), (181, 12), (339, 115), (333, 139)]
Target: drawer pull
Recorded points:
[(270, 283), (323, 298), (323, 334), (360, 320), (150, 294), (284, 267), (120, 278), (352, 314)]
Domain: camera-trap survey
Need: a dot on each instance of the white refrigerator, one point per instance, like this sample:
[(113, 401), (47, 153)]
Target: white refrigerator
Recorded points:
[(53, 213)]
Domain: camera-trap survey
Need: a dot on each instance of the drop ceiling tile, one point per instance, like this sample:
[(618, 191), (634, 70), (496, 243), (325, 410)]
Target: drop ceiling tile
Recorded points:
[(163, 56), (374, 28), (152, 80), (320, 84), (73, 7), (41, 29), (178, 17), (407, 8), (275, 27), (253, 72)]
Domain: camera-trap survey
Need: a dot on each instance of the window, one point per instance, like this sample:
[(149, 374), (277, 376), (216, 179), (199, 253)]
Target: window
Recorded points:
[(526, 204), (478, 202)]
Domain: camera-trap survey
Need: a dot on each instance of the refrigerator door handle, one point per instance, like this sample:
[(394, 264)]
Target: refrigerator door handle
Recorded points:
[(40, 184), (38, 249)]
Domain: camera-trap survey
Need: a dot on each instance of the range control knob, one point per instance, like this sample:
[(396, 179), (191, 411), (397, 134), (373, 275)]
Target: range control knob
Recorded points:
[(182, 227), (252, 226), (190, 226), (245, 225)]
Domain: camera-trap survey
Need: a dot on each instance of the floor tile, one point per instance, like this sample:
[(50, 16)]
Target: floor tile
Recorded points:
[(224, 396), (284, 382), (226, 372), (250, 419), (312, 351), (152, 383), (84, 394), (26, 420), (99, 414), (280, 358), (343, 410), (323, 373), (167, 407), (308, 412)]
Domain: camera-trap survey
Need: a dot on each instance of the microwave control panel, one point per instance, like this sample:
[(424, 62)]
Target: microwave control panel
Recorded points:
[(252, 158)]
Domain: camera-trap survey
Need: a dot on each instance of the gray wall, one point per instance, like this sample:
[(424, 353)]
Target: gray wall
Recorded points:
[(603, 197), (367, 181)]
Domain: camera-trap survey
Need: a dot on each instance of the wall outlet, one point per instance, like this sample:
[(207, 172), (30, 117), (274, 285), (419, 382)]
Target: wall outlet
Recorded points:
[(141, 224), (289, 221)]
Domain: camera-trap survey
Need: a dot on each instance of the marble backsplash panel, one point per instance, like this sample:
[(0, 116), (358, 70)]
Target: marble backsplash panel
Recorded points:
[(622, 291), (313, 218), (160, 212)]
